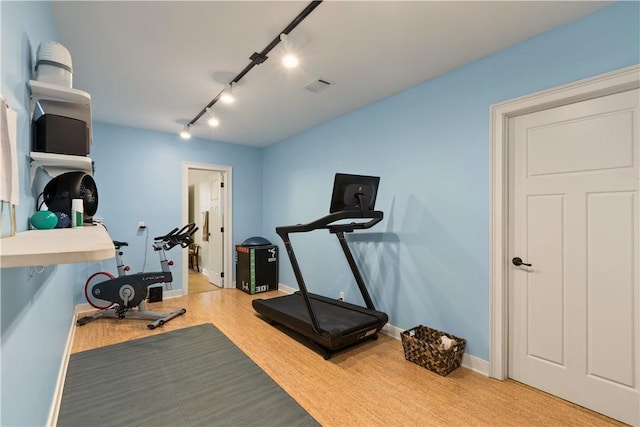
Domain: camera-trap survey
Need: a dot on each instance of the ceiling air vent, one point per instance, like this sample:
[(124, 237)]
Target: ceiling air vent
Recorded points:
[(318, 85)]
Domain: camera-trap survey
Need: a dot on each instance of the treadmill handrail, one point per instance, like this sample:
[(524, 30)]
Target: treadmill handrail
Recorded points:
[(327, 222)]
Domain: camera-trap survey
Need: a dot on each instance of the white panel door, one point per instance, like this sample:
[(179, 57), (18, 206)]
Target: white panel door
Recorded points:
[(574, 321), (216, 233)]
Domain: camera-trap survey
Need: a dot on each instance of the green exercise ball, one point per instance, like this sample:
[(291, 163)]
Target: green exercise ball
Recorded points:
[(44, 220)]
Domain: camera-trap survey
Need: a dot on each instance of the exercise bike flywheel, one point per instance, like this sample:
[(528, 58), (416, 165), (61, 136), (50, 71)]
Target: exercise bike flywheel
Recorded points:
[(93, 295)]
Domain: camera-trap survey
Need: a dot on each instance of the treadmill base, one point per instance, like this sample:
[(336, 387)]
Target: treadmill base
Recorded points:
[(342, 324)]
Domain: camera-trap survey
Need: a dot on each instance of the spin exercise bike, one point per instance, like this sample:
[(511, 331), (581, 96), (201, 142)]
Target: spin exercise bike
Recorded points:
[(125, 296)]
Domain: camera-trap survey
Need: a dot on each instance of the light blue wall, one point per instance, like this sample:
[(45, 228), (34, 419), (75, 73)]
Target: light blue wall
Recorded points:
[(139, 178), (427, 262), (36, 310)]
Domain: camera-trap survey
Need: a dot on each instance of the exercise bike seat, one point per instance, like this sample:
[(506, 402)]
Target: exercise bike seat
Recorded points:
[(118, 245)]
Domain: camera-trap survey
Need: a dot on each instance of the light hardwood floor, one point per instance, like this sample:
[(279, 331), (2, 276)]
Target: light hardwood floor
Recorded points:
[(198, 282), (369, 385)]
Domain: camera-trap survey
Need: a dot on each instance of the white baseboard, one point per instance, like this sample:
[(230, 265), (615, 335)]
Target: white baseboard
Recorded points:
[(286, 289), (468, 361), (173, 293), (392, 331), (62, 374), (476, 364)]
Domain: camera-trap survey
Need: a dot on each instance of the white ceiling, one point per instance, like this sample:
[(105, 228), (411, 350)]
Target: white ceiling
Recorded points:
[(156, 64)]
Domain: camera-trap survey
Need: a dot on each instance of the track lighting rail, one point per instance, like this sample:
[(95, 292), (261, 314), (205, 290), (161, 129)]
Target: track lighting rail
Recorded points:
[(258, 58)]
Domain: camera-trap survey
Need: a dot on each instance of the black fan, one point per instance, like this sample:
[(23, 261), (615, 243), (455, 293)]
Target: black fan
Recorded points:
[(59, 192)]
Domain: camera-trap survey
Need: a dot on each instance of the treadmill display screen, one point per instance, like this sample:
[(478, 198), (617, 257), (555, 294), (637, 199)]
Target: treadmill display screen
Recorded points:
[(354, 193)]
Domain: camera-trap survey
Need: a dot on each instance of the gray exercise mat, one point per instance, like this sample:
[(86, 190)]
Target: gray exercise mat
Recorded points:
[(189, 377)]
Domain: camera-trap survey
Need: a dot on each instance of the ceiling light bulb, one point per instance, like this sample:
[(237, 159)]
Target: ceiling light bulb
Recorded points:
[(227, 98), (213, 121), (185, 133), (227, 95), (290, 60)]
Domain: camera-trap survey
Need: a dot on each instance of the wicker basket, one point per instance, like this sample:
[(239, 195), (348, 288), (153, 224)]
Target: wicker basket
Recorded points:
[(423, 346)]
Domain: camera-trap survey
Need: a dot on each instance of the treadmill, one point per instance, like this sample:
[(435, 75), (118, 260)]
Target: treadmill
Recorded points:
[(331, 324)]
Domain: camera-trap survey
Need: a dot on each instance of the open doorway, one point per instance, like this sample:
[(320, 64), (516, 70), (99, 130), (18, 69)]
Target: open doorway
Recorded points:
[(207, 203)]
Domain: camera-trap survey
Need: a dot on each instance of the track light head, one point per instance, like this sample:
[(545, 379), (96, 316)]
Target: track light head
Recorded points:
[(289, 59), (227, 95), (185, 133), (213, 119), (227, 98)]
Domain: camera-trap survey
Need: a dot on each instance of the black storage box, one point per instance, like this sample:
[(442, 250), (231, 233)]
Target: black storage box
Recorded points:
[(60, 135), (257, 268)]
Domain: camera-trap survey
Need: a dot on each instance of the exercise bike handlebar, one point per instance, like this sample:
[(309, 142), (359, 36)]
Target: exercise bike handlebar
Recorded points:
[(166, 236), (175, 237), (184, 237)]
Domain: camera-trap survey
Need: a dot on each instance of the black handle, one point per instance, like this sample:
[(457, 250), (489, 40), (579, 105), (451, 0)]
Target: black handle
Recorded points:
[(326, 222), (518, 262)]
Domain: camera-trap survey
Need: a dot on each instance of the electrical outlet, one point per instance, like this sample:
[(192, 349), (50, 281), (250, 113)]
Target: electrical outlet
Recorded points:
[(141, 224), (341, 296)]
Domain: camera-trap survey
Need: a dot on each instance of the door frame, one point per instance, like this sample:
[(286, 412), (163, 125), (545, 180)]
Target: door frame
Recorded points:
[(227, 176), (605, 84), (210, 246)]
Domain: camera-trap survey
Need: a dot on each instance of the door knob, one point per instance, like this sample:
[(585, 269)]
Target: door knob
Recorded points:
[(517, 261)]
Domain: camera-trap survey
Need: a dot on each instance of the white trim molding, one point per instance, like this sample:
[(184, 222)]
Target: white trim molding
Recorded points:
[(54, 410), (286, 289), (594, 87)]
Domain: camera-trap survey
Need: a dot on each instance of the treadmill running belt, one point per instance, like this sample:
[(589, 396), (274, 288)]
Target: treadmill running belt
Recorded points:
[(332, 315), (344, 323)]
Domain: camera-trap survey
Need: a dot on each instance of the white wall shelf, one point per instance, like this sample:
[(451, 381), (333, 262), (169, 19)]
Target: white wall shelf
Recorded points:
[(56, 164), (56, 246), (62, 101)]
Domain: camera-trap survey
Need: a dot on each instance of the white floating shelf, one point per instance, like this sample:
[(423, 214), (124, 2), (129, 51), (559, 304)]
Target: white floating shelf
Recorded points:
[(56, 164), (49, 91), (56, 246), (62, 101)]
